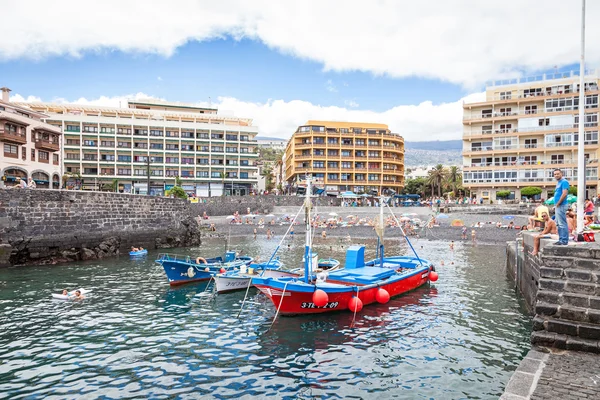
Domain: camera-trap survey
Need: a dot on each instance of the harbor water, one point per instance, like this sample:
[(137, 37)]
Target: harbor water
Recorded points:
[(135, 337)]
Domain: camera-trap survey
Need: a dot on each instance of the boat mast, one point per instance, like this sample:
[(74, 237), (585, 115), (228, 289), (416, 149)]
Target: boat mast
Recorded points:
[(382, 227), (307, 250)]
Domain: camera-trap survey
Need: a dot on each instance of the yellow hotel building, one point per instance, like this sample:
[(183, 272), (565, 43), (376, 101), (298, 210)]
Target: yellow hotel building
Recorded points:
[(524, 130), (346, 156)]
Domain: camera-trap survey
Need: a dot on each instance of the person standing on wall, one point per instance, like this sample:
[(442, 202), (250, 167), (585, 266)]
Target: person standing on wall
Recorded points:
[(560, 204)]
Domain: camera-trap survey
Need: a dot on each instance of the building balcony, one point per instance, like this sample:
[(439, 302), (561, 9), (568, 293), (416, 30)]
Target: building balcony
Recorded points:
[(46, 145), (12, 137)]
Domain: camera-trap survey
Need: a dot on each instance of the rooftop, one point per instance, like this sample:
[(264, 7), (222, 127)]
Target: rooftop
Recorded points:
[(169, 104), (341, 124), (592, 73)]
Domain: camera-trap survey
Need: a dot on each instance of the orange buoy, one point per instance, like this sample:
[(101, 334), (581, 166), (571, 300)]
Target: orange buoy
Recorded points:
[(320, 298), (382, 296), (207, 269), (433, 276), (355, 304), (222, 270)]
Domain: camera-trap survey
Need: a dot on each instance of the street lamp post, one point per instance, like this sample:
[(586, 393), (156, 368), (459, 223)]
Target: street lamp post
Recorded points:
[(581, 143)]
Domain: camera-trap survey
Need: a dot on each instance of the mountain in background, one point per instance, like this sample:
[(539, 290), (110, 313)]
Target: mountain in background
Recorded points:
[(422, 154), (435, 145)]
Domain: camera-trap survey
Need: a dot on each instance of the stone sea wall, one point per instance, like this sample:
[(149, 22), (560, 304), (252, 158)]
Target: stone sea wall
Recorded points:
[(562, 287), (50, 226)]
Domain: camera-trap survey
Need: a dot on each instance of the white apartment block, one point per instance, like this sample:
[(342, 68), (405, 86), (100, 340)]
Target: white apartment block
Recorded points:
[(147, 146), (31, 147), (525, 129)]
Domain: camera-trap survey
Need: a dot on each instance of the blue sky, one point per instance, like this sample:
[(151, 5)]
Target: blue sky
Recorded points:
[(246, 70), (410, 65)]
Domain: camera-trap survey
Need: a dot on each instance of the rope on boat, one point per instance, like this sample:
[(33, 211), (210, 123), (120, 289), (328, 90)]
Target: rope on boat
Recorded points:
[(404, 233), (355, 308), (245, 296), (283, 238), (279, 307), (208, 284)]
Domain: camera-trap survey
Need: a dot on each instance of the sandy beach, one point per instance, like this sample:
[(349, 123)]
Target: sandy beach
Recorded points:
[(487, 232)]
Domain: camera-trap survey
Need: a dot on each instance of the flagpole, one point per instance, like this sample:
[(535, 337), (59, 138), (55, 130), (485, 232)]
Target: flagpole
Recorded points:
[(581, 143)]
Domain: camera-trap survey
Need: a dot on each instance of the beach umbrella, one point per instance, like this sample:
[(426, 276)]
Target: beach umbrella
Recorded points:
[(269, 216), (571, 199), (457, 222), (508, 217), (229, 218), (333, 214), (350, 216), (442, 216), (404, 219)]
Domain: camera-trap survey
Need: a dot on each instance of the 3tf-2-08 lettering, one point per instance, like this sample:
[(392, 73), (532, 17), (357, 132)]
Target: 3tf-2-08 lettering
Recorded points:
[(328, 305)]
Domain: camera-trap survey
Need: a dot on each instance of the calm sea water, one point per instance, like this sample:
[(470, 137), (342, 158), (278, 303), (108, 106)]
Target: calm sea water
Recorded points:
[(134, 337)]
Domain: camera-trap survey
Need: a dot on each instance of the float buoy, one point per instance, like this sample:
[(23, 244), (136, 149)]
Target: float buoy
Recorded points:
[(222, 270), (206, 269), (355, 304), (191, 272), (320, 298), (433, 276), (200, 260), (382, 296)]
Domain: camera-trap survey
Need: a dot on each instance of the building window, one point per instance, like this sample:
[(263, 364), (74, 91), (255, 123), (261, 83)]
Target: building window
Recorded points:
[(11, 151), (90, 143), (55, 159), (124, 171), (32, 154)]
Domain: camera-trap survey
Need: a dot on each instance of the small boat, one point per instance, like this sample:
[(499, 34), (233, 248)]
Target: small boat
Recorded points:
[(239, 278), (185, 269), (138, 253), (70, 295), (359, 283)]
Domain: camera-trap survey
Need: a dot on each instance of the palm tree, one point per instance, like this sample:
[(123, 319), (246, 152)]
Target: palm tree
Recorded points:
[(437, 176), (454, 178), (279, 164)]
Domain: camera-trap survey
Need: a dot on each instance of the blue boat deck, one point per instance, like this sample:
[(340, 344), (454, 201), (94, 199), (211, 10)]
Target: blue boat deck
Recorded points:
[(363, 276)]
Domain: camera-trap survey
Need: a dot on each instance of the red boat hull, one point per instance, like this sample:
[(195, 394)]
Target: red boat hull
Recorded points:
[(296, 302)]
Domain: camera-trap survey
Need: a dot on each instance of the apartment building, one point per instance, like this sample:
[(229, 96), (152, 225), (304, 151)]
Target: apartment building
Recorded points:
[(151, 143), (525, 129), (31, 147), (271, 143), (345, 156)]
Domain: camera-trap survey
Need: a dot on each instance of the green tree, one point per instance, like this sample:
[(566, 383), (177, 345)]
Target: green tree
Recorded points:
[(573, 190), (454, 178), (177, 191), (502, 194), (114, 186), (415, 186), (177, 181), (437, 176), (530, 191)]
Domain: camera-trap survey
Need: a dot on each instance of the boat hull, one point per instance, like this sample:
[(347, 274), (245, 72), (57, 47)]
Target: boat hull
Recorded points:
[(182, 271), (298, 299), (229, 282)]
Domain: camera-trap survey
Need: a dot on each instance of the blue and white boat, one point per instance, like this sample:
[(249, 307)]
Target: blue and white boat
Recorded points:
[(185, 269), (239, 278)]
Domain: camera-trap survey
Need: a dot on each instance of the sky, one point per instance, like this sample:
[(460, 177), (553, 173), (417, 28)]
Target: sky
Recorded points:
[(408, 64)]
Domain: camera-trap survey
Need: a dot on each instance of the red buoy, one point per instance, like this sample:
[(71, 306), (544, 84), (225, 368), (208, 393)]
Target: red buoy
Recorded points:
[(320, 298), (433, 276), (382, 296), (355, 304), (222, 270)]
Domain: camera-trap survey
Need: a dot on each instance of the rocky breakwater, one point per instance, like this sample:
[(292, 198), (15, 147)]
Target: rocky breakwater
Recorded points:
[(51, 226)]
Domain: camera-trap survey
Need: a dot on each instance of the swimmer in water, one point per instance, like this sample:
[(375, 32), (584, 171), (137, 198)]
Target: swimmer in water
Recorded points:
[(452, 245)]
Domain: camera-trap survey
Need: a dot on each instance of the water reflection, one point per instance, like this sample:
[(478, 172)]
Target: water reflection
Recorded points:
[(134, 336)]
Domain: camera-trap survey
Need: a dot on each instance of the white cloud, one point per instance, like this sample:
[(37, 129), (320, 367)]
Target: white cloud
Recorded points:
[(351, 103), (464, 42), (330, 87), (158, 78), (278, 118), (20, 99)]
